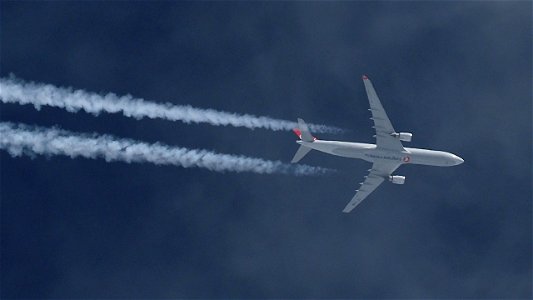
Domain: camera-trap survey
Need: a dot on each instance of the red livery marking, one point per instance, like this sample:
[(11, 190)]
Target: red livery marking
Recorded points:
[(297, 132), (365, 77), (406, 159)]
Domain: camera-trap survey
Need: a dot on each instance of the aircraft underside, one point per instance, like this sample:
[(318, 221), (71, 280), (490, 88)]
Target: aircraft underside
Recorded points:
[(386, 155)]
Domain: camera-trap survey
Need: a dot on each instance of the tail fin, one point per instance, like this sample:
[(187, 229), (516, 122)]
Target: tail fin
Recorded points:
[(303, 132), (305, 135)]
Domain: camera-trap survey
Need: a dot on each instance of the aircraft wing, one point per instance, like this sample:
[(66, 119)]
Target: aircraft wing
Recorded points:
[(380, 171), (382, 123)]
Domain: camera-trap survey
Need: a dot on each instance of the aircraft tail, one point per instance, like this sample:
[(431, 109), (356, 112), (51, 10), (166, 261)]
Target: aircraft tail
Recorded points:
[(303, 134)]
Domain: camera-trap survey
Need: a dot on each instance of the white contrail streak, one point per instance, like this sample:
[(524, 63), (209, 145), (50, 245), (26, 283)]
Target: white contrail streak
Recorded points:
[(19, 139), (13, 90)]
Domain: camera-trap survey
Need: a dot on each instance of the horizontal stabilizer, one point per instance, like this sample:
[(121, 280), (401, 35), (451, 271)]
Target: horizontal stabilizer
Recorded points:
[(302, 151)]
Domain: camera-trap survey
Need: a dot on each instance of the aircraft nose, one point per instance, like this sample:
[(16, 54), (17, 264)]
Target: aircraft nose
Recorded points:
[(458, 160)]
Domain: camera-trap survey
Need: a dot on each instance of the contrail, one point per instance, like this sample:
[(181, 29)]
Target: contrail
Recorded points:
[(13, 90), (20, 139)]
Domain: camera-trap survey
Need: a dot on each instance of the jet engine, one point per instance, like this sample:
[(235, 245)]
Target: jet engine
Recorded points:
[(403, 136), (397, 179)]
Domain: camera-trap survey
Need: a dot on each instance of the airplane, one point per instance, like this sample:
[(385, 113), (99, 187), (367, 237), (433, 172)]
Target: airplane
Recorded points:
[(386, 155)]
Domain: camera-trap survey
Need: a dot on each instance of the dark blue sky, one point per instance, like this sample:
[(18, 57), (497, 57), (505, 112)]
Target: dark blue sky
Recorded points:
[(455, 74)]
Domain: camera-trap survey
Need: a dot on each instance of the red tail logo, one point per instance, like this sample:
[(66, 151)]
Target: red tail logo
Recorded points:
[(298, 133)]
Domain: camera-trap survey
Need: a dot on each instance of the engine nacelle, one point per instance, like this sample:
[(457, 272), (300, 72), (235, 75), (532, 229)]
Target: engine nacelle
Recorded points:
[(403, 136), (397, 179)]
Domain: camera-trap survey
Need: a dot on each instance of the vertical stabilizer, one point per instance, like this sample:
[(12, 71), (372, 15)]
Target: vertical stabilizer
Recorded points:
[(304, 130)]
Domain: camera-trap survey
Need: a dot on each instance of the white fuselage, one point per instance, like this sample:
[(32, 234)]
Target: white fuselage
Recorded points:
[(369, 152)]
